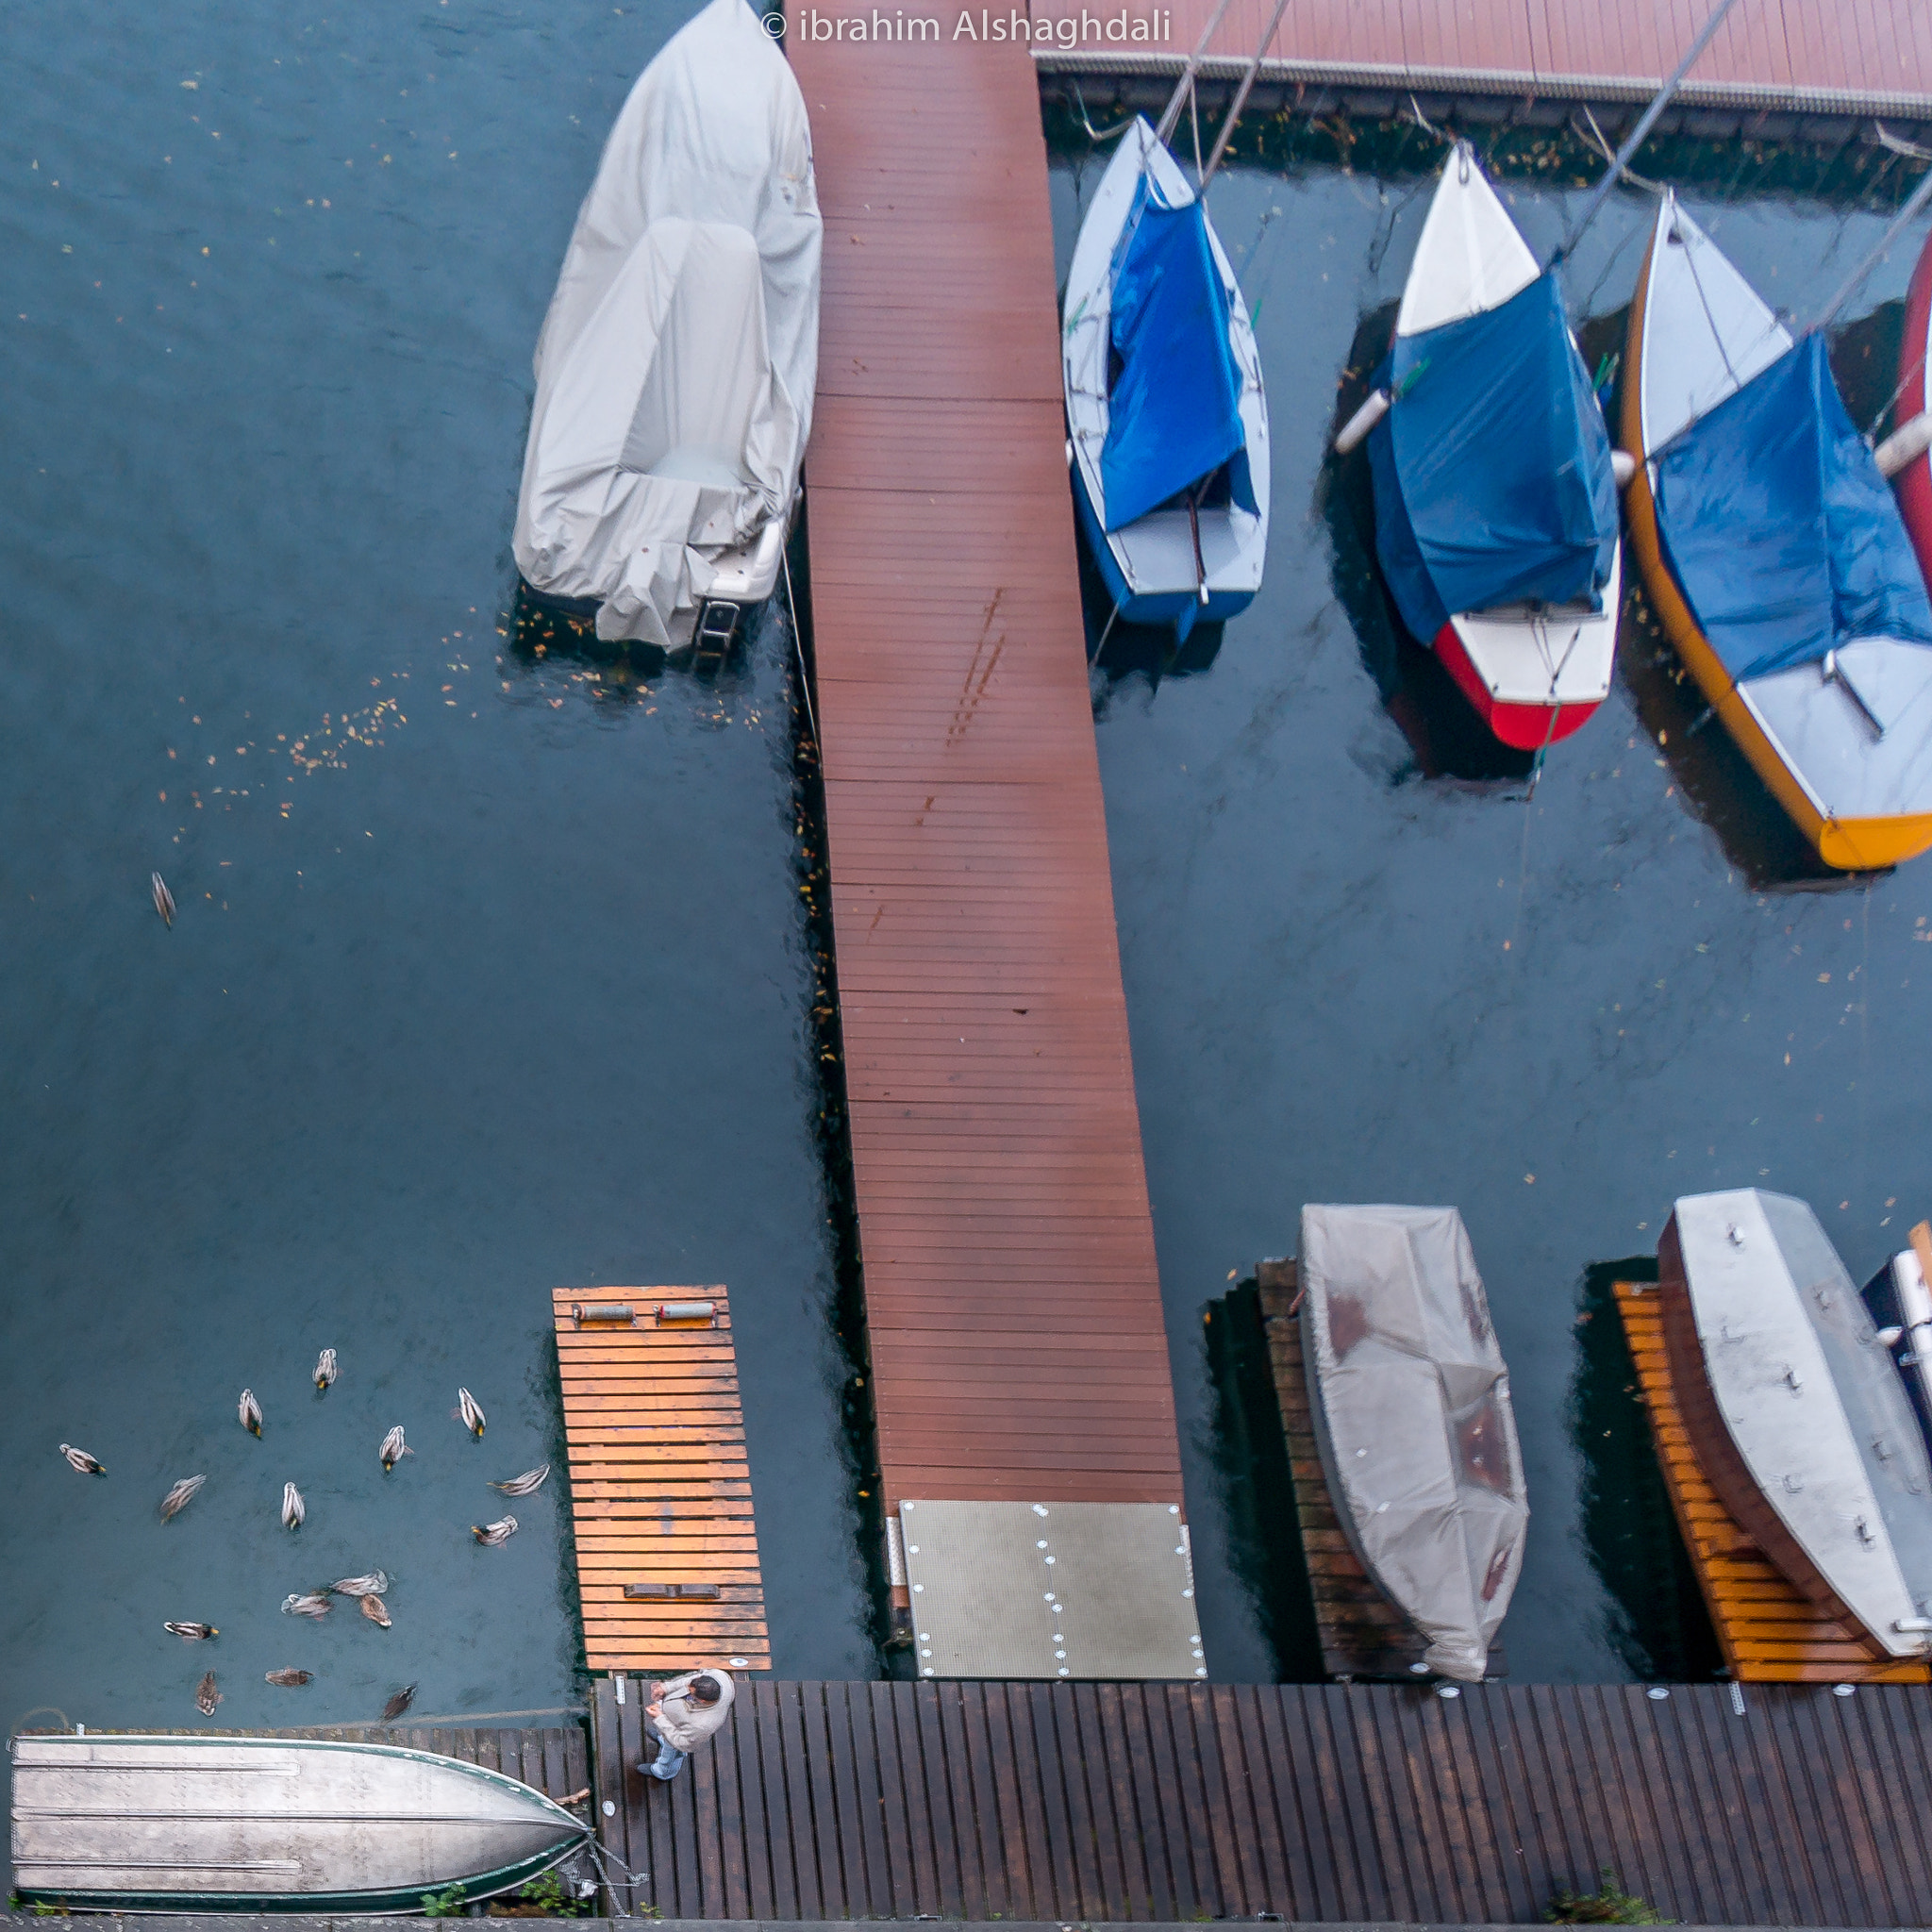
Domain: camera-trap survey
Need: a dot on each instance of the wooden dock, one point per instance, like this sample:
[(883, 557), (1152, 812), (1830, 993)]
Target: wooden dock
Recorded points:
[(1354, 1803), (667, 1551), (1363, 1633), (1776, 63), (1018, 1350), (1770, 1631)]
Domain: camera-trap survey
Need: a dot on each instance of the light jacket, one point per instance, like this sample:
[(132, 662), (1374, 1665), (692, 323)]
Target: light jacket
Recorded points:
[(682, 1722)]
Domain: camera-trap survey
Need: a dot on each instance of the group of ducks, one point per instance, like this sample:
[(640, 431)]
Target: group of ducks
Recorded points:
[(368, 1589)]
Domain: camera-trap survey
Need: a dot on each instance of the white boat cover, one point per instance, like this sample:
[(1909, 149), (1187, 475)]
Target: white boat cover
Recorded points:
[(269, 1822), (677, 365), (1812, 1404), (1418, 1437)]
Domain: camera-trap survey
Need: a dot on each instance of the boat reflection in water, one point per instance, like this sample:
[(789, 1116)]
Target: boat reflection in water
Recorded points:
[(233, 1824), (1795, 1410)]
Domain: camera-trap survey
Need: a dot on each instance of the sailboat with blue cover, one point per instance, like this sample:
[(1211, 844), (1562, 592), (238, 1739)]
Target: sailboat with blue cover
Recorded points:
[(1167, 423), (1494, 483), (1774, 553)]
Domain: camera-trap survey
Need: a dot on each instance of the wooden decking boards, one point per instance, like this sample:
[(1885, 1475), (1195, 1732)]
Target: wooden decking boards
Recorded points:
[(1012, 1303), (1358, 1803), (1771, 1632), (1777, 55), (667, 1551), (1363, 1633)]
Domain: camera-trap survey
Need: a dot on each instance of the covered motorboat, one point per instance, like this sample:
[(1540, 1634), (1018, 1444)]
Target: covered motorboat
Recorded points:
[(1412, 1412), (143, 1822), (1495, 491), (1795, 1412), (1167, 423), (678, 363), (1774, 552)]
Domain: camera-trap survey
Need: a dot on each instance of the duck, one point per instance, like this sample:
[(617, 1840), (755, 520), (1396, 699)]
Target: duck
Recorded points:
[(287, 1680), (312, 1603), (293, 1508), (80, 1460), (250, 1411), (398, 1704), (191, 1633), (523, 1485), (372, 1584), (164, 900), (393, 1449), (183, 1493), (376, 1611), (324, 1369), (490, 1534), (206, 1696), (468, 1413)]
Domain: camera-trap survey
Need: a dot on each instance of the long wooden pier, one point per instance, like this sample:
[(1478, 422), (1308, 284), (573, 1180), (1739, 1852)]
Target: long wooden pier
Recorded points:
[(1339, 1803), (1776, 68), (1013, 1310)]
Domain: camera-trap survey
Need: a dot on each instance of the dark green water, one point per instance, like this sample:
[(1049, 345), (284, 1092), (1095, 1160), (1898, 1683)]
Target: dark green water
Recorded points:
[(1361, 966), (488, 976)]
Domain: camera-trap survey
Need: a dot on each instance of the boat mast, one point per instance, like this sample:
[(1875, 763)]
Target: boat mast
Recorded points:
[(1919, 196), (1241, 98), (1636, 139), (1171, 114)]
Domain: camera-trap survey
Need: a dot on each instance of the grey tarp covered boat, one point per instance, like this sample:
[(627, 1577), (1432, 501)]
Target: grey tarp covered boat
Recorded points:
[(1795, 1410), (1412, 1403), (199, 1824)]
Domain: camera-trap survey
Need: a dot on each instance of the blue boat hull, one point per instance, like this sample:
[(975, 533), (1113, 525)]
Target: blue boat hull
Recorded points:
[(1181, 609)]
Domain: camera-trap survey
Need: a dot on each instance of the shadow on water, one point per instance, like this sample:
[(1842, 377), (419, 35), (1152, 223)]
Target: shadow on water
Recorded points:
[(1445, 737), (1250, 1457), (1658, 1626), (1118, 651)]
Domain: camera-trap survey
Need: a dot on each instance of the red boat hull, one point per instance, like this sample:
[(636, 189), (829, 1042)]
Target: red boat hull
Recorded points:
[(1525, 728), (1914, 484)]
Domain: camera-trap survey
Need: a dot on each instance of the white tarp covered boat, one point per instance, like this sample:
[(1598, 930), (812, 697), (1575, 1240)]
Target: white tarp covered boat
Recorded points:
[(1412, 1403), (142, 1823), (1795, 1410), (1167, 420), (678, 363)]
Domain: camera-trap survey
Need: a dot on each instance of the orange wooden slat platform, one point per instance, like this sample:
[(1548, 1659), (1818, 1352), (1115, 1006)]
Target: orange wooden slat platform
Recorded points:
[(1012, 1300), (660, 1490), (1778, 54), (1770, 1631)]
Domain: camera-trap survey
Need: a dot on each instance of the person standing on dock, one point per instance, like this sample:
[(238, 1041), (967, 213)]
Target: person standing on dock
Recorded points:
[(683, 1713)]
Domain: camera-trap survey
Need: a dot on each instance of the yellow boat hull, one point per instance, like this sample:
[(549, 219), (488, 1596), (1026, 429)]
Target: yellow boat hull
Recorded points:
[(1847, 844)]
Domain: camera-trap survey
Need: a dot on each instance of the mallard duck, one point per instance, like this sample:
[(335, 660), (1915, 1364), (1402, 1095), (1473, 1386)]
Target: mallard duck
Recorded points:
[(398, 1704), (376, 1611), (523, 1485), (393, 1448), (372, 1584), (313, 1603), (191, 1633), (490, 1534), (287, 1680), (468, 1413), (80, 1460), (324, 1369), (293, 1508), (183, 1493), (206, 1696), (164, 900), (250, 1411)]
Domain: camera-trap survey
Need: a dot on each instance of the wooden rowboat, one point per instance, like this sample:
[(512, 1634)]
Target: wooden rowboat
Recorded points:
[(1772, 551), (1795, 1414), (140, 1822), (1412, 1414)]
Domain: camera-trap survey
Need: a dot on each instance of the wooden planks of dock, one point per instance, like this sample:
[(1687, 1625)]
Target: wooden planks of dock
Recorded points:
[(1359, 1803), (667, 1551), (1770, 1631), (1872, 56), (1363, 1633), (1012, 1302)]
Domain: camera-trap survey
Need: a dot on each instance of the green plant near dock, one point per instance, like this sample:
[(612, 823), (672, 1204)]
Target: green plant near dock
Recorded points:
[(445, 1905), (1609, 1905)]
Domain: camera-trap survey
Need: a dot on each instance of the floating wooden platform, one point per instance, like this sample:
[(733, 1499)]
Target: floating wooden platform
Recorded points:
[(1770, 58), (1363, 1633), (1770, 1631), (667, 1552), (1357, 1803), (1013, 1310)]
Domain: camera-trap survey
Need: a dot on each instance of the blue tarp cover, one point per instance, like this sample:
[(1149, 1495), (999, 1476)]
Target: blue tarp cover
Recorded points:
[(1493, 470), (1174, 412), (1782, 534)]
